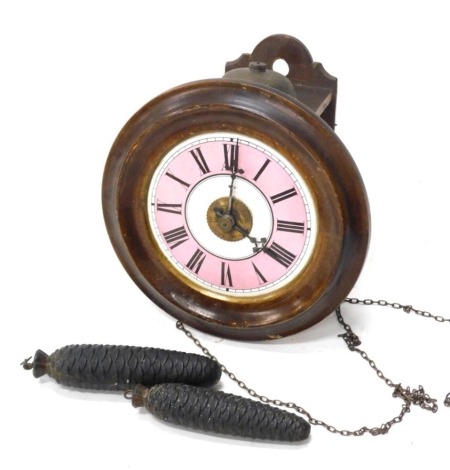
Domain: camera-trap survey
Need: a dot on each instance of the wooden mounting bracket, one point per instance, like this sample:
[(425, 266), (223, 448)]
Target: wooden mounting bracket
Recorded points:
[(314, 86)]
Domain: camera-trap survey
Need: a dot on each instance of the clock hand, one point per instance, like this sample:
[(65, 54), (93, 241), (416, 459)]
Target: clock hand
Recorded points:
[(259, 244), (232, 158), (228, 223), (230, 197), (232, 164)]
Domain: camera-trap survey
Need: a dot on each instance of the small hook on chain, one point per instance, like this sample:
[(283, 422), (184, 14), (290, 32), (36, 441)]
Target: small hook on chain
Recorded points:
[(416, 397), (26, 364), (351, 339), (447, 400), (128, 394)]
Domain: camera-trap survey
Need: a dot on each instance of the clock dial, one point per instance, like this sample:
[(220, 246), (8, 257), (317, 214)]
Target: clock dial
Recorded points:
[(231, 214)]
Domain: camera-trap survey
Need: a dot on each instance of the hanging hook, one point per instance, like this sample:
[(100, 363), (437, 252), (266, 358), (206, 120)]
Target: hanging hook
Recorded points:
[(447, 400), (26, 364), (128, 394)]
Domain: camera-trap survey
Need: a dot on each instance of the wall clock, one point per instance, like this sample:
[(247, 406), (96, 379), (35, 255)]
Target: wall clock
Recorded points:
[(233, 204)]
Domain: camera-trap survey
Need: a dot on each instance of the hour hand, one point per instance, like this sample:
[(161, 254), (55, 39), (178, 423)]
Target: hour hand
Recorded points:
[(259, 244)]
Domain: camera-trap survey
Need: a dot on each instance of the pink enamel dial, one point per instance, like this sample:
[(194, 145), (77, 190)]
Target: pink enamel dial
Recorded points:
[(231, 214)]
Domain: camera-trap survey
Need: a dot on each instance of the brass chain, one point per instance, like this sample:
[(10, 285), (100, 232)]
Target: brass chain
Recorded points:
[(410, 397)]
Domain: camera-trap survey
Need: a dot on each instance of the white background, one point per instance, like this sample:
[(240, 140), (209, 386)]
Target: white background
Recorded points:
[(72, 73)]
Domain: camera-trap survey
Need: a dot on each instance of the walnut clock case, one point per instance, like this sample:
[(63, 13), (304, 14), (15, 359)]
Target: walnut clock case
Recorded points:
[(232, 203)]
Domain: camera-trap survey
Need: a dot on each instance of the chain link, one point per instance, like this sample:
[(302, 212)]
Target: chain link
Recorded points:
[(410, 397), (397, 306), (414, 397), (407, 309)]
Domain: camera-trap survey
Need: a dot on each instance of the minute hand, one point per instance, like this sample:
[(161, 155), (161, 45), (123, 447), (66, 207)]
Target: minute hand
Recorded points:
[(230, 197), (232, 164), (232, 158)]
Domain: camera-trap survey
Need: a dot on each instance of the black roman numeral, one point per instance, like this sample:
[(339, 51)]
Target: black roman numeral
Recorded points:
[(260, 171), (283, 195), (172, 208), (287, 226), (225, 275), (178, 180), (177, 236), (200, 160), (259, 274), (231, 156), (196, 261), (280, 254)]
